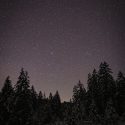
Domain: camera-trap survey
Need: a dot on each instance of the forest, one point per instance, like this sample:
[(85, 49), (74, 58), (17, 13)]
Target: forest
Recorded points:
[(103, 103)]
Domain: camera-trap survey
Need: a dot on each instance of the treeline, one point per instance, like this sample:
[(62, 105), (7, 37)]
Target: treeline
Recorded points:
[(102, 103)]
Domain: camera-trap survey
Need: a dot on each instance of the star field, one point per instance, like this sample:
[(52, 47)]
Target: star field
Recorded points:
[(60, 42)]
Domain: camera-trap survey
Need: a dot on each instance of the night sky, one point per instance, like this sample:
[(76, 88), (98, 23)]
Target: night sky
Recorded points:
[(60, 42)]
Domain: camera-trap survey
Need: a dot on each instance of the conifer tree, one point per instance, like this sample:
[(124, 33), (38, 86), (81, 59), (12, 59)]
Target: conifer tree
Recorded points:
[(106, 84), (67, 109), (95, 90), (79, 100), (22, 101), (95, 87), (40, 99), (51, 103), (5, 112), (89, 93), (45, 100), (79, 92), (120, 94), (89, 84), (73, 119), (56, 106), (75, 94), (34, 97), (40, 115), (79, 111), (93, 114), (34, 105), (50, 96), (111, 116), (47, 113)]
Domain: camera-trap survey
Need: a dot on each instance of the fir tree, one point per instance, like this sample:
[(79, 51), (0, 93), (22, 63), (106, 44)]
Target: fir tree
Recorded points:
[(34, 97), (106, 84), (95, 90), (40, 115), (5, 110), (75, 94), (95, 87), (67, 109), (93, 114), (47, 113), (89, 93), (73, 120), (40, 99), (120, 94), (89, 84), (22, 101), (56, 106), (79, 92), (34, 105), (50, 96), (79, 100), (111, 116), (79, 111)]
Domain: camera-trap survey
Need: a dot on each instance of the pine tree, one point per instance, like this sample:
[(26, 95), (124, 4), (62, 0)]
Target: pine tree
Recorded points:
[(45, 100), (40, 99), (40, 96), (75, 94), (79, 92), (89, 85), (95, 87), (73, 119), (111, 116), (34, 105), (95, 90), (106, 85), (89, 93), (56, 106), (67, 109), (50, 106), (40, 109), (22, 101), (79, 100), (93, 114), (23, 82), (50, 96), (120, 94), (40, 115), (79, 111), (34, 97), (5, 112), (47, 113)]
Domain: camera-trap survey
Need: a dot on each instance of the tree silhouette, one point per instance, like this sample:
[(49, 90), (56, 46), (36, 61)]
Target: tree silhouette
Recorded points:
[(111, 116), (5, 110), (93, 114), (106, 84), (56, 106), (22, 101), (120, 94), (22, 105)]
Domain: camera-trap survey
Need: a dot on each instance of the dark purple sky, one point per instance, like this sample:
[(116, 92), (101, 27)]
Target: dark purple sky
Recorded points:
[(60, 41)]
